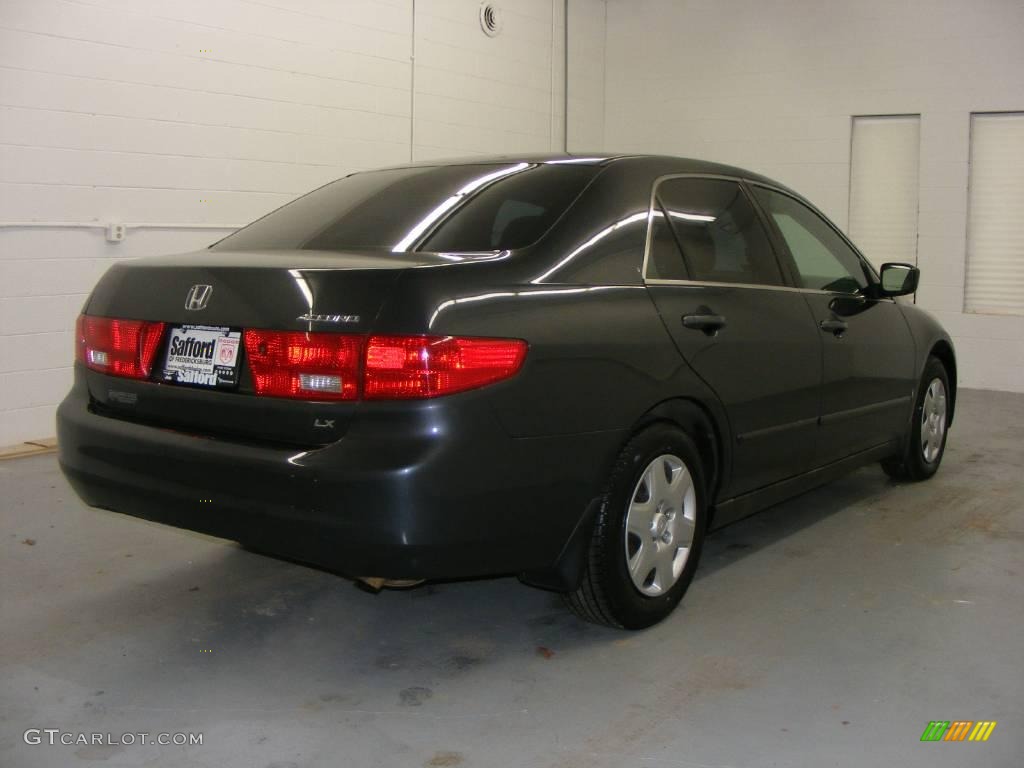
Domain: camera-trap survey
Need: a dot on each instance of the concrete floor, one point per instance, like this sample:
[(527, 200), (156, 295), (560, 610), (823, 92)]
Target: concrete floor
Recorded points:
[(826, 631)]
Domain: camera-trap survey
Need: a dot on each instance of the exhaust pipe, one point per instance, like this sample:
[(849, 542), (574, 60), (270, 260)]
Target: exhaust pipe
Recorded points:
[(377, 583)]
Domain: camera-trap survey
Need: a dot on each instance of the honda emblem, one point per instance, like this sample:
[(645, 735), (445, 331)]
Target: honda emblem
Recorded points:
[(198, 296)]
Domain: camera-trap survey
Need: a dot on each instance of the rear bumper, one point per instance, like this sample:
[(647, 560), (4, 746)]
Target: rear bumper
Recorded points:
[(412, 491)]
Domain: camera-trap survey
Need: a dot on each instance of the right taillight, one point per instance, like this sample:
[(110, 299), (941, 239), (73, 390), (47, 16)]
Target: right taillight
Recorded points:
[(413, 367)]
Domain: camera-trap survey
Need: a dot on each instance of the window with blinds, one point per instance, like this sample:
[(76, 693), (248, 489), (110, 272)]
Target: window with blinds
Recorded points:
[(884, 154), (995, 215)]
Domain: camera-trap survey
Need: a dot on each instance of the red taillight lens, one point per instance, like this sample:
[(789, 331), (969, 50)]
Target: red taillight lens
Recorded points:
[(117, 347), (306, 366), (407, 367)]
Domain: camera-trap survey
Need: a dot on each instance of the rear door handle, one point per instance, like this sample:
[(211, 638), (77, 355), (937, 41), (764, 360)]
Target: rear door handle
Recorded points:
[(709, 324), (836, 327)]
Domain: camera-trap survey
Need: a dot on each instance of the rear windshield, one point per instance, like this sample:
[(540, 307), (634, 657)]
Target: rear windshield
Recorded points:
[(440, 208)]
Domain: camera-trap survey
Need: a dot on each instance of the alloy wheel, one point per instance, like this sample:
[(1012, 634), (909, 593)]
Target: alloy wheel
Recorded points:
[(933, 420), (660, 525)]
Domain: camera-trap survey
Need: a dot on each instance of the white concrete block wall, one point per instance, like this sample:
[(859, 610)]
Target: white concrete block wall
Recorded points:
[(586, 75), (773, 86), (477, 94), (212, 112)]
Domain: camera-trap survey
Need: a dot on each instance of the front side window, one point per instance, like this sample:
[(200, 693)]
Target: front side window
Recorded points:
[(823, 259), (707, 230), (487, 207)]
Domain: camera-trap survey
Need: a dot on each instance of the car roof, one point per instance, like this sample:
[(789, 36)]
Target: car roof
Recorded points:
[(672, 164)]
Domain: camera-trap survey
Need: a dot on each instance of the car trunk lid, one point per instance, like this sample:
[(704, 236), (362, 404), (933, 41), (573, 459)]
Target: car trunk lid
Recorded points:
[(238, 291)]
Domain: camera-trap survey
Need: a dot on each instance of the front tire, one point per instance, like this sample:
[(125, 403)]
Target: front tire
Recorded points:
[(928, 429), (648, 533)]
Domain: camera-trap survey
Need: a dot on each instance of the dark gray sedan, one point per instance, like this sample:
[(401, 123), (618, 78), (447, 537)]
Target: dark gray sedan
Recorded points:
[(565, 368)]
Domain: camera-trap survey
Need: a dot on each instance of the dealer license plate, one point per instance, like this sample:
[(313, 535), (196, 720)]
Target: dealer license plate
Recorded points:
[(203, 356)]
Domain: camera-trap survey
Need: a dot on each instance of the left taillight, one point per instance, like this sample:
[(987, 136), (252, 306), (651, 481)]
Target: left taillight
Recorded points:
[(338, 366), (418, 367), (117, 347), (304, 366)]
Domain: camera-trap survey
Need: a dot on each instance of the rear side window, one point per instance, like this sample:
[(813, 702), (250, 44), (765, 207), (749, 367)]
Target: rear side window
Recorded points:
[(440, 208), (707, 230), (607, 255), (823, 259)]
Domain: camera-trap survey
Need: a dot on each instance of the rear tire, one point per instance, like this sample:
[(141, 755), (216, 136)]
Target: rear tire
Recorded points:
[(928, 429), (648, 532)]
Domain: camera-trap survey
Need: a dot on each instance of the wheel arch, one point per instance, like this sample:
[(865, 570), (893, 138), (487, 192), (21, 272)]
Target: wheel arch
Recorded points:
[(943, 350), (699, 424)]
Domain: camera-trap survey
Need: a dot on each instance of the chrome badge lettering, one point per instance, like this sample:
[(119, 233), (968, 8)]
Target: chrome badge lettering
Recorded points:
[(309, 317)]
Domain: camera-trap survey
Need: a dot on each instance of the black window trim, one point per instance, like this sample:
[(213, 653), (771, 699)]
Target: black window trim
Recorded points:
[(673, 233)]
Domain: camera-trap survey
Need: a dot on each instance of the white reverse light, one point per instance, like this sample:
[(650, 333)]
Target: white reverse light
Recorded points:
[(318, 382), (98, 357)]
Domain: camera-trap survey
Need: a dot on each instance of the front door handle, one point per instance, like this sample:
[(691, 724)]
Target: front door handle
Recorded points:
[(709, 324), (835, 327)]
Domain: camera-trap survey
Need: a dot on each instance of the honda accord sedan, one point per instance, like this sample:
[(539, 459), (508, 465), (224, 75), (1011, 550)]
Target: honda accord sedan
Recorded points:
[(566, 368)]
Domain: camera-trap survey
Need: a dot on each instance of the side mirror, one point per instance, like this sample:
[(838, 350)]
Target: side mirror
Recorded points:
[(898, 279)]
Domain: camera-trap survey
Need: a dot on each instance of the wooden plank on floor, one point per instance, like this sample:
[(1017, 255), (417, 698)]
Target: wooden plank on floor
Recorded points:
[(29, 448)]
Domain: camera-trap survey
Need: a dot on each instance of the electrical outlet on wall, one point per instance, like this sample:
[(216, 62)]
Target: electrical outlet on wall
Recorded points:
[(115, 232)]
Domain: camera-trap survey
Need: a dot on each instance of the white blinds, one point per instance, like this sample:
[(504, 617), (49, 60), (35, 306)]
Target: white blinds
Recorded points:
[(884, 155), (995, 219)]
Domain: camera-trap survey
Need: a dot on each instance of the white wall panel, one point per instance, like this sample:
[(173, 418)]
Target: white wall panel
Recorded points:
[(71, 93), (33, 351), (81, 202), (476, 94), (32, 389), (995, 227), (35, 127), (213, 112), (884, 153), (586, 75)]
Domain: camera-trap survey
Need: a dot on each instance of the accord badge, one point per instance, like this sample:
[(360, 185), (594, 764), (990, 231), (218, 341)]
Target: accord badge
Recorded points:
[(309, 317)]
